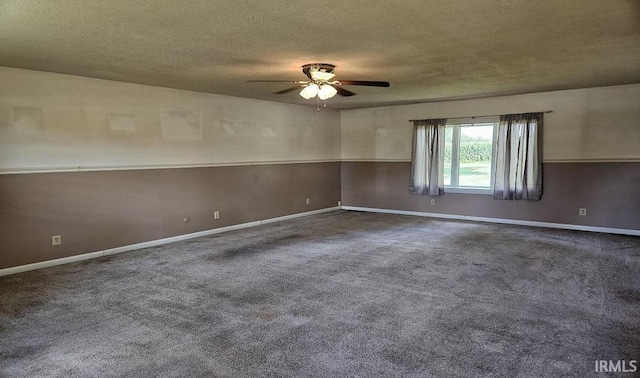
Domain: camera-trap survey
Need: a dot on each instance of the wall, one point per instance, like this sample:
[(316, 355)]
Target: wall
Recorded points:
[(591, 157), (108, 164)]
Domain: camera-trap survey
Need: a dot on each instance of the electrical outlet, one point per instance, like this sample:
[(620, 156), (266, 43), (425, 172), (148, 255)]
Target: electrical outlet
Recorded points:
[(216, 215), (339, 203), (307, 201), (582, 211), (433, 201), (56, 240), (186, 220)]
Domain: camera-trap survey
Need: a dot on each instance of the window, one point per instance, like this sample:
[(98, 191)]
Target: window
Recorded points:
[(468, 156)]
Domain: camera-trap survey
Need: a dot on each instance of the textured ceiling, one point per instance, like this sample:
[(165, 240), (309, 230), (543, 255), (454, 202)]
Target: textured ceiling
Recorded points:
[(428, 50)]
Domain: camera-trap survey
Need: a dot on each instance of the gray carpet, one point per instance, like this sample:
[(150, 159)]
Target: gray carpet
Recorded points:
[(337, 294)]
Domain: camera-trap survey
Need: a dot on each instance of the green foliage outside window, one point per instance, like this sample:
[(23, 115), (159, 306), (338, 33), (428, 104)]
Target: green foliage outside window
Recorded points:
[(471, 150)]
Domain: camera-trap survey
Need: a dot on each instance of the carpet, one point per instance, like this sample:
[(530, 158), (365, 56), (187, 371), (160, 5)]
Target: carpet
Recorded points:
[(337, 294)]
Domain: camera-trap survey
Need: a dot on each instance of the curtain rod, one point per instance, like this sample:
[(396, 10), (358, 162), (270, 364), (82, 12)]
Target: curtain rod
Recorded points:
[(472, 117)]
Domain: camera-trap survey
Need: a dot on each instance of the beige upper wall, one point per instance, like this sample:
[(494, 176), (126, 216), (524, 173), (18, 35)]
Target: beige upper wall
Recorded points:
[(586, 124), (53, 121)]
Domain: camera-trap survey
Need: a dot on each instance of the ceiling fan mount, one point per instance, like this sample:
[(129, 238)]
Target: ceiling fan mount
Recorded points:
[(321, 83), (319, 72)]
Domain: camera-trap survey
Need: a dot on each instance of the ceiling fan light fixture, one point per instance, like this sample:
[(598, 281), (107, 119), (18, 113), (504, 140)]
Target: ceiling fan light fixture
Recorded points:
[(309, 91), (326, 91)]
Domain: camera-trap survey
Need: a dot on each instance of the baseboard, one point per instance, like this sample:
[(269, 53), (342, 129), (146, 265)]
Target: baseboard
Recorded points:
[(563, 226), (153, 243)]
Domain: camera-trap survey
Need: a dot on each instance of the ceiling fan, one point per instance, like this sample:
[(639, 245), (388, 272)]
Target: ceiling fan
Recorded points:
[(320, 82)]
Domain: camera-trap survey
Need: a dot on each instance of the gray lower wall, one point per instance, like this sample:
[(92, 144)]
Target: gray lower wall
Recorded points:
[(94, 211), (610, 192)]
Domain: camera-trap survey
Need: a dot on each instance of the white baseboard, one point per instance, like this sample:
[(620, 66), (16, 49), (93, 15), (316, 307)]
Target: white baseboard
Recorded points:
[(153, 243), (299, 215), (564, 226)]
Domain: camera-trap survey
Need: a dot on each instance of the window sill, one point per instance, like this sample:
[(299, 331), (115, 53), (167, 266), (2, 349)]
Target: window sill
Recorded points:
[(460, 190)]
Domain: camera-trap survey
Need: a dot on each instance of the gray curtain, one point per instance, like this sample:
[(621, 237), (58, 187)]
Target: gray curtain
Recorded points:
[(427, 157), (518, 159)]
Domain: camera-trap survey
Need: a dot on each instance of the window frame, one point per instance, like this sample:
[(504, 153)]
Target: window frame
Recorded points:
[(456, 126)]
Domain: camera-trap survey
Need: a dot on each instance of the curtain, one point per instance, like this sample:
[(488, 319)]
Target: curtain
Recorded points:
[(518, 157), (427, 157)]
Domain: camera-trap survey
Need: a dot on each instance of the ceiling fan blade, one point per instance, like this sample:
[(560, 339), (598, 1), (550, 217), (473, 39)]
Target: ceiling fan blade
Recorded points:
[(365, 83), (278, 81), (342, 91), (288, 89)]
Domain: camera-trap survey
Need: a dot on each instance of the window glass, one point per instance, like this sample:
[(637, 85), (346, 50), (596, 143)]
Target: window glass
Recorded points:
[(468, 154), (475, 156)]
